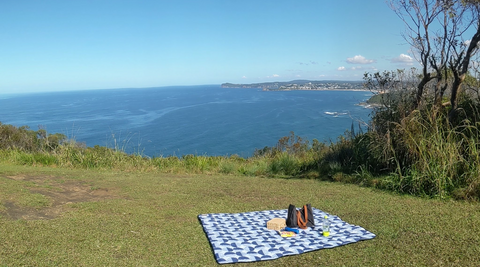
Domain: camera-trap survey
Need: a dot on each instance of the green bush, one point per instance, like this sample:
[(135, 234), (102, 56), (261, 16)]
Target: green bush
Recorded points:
[(285, 164), (227, 167), (24, 139)]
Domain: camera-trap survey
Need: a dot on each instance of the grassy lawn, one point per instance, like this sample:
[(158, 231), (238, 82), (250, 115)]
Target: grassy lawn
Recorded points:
[(62, 217)]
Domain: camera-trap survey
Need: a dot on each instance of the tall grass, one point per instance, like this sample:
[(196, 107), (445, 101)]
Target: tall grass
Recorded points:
[(422, 153), (441, 157)]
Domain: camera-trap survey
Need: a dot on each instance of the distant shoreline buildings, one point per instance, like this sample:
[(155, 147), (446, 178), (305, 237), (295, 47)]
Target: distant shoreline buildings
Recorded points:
[(301, 85)]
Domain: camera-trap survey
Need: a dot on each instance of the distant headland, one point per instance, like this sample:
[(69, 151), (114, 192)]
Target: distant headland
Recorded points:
[(301, 85)]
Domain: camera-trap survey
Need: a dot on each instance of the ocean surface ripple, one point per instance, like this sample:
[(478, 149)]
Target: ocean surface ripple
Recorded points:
[(202, 120)]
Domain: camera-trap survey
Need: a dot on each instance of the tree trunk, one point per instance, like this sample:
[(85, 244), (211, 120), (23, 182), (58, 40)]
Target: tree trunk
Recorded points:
[(426, 78), (456, 87)]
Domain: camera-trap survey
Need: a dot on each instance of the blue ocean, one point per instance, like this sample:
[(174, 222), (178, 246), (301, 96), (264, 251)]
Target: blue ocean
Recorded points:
[(180, 120)]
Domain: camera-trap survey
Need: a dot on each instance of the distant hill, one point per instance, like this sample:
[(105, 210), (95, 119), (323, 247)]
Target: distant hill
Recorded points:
[(301, 85)]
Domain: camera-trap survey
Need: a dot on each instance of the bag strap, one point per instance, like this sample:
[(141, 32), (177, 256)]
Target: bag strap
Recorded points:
[(301, 223)]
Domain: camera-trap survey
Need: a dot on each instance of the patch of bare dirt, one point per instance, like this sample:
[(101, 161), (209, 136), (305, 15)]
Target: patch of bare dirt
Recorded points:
[(60, 191)]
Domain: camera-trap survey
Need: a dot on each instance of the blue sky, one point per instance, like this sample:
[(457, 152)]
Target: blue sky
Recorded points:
[(58, 45)]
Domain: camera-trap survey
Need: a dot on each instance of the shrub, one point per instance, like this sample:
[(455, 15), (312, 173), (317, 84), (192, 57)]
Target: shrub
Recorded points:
[(285, 164)]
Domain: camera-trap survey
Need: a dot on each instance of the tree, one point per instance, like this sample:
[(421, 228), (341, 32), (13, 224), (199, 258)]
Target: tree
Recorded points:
[(393, 96), (437, 31)]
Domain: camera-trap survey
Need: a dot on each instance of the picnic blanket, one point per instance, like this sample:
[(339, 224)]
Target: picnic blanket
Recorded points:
[(244, 237)]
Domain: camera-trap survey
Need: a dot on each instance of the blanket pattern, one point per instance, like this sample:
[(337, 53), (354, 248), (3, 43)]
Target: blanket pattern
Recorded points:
[(244, 237)]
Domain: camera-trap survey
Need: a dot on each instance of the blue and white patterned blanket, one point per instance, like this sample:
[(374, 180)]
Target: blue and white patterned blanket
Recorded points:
[(244, 237)]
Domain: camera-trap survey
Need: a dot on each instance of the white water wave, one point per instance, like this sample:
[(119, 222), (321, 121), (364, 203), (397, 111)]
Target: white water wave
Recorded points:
[(335, 114)]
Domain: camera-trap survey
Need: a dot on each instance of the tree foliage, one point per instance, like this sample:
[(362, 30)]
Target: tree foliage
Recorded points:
[(24, 139), (444, 36)]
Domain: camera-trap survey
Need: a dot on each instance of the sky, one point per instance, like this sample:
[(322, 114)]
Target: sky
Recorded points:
[(58, 45)]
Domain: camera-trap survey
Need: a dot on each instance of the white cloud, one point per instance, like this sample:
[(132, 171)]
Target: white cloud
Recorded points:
[(244, 77), (341, 68), (276, 75), (403, 59), (359, 60)]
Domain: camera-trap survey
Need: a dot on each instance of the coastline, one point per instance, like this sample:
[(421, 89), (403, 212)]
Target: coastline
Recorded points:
[(326, 89), (301, 85)]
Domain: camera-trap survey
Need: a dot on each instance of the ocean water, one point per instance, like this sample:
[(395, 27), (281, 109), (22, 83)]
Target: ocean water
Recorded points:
[(202, 120)]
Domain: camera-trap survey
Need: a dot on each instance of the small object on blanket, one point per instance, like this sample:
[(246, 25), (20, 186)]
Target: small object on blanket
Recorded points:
[(296, 231), (326, 226), (276, 224), (287, 234)]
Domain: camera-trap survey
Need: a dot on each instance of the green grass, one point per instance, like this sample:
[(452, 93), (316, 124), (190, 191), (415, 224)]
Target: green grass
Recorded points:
[(151, 220)]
